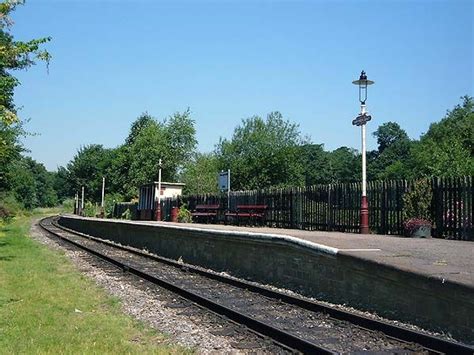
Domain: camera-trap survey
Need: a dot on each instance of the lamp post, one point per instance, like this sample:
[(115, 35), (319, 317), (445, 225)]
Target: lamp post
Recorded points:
[(158, 207), (361, 121)]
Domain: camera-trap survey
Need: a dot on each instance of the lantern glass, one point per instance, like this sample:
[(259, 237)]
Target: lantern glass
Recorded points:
[(363, 82)]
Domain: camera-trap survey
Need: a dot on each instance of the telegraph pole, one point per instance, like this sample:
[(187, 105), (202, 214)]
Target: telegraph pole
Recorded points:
[(82, 202), (102, 211)]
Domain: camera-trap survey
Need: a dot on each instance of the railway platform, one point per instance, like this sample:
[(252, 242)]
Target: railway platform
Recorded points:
[(448, 260)]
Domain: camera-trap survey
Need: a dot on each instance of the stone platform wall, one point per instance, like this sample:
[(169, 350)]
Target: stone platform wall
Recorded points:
[(312, 271)]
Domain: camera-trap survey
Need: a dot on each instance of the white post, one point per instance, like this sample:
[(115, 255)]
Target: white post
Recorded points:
[(103, 192), (228, 189), (364, 168), (159, 183), (82, 201), (158, 208), (76, 198)]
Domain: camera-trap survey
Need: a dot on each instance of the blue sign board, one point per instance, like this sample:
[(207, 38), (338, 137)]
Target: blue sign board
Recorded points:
[(224, 180)]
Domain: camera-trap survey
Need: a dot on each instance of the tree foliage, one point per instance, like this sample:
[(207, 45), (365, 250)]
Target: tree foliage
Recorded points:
[(14, 55), (390, 159), (31, 184), (262, 153), (200, 174), (447, 148), (136, 162), (87, 169)]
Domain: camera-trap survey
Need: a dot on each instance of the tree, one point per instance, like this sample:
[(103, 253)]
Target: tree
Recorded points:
[(10, 148), (87, 169), (14, 55), (315, 162), (263, 153), (447, 149), (144, 120), (61, 184), (181, 141), (392, 155), (200, 174), (173, 141), (344, 165), (31, 184), (144, 154), (15, 172)]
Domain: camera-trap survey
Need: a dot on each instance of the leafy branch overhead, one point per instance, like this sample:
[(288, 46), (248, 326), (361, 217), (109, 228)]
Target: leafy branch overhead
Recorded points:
[(15, 55)]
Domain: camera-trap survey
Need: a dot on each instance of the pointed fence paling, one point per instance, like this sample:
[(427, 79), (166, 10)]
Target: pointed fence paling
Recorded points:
[(336, 207)]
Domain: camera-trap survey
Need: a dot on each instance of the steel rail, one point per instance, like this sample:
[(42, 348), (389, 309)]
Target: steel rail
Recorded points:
[(407, 335), (280, 336)]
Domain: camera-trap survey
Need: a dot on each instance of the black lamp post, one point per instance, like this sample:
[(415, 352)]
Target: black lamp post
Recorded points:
[(361, 121)]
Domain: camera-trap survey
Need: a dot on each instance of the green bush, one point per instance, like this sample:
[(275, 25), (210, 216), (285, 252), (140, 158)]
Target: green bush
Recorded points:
[(9, 207), (90, 209), (110, 201), (417, 201), (184, 215), (68, 205)]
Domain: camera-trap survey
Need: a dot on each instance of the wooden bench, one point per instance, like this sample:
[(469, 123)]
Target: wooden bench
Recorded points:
[(205, 212), (252, 213)]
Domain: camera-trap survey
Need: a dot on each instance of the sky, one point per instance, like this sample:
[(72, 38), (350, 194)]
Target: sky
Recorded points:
[(230, 60)]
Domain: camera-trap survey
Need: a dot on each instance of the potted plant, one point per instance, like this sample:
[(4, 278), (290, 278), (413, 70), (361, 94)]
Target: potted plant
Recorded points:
[(417, 210)]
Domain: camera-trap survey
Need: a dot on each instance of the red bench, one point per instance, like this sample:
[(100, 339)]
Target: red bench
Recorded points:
[(205, 212), (252, 213)]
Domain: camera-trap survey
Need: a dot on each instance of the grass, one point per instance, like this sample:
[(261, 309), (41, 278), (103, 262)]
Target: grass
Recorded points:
[(46, 306)]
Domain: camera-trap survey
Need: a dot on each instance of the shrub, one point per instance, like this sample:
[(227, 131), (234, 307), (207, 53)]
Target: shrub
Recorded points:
[(9, 207), (417, 201), (417, 205), (68, 205), (90, 210), (184, 215), (110, 200), (5, 214)]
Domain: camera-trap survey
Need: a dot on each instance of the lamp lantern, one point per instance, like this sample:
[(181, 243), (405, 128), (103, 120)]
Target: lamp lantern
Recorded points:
[(363, 82)]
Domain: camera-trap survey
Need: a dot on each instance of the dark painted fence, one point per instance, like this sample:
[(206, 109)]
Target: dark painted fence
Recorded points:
[(335, 207), (127, 210)]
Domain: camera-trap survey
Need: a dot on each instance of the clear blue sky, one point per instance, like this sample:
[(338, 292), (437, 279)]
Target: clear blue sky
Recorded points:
[(228, 60)]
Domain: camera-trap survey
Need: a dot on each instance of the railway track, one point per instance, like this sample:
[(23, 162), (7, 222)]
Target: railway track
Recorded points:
[(295, 323)]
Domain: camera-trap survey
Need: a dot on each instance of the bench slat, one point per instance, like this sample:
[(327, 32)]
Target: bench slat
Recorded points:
[(207, 207)]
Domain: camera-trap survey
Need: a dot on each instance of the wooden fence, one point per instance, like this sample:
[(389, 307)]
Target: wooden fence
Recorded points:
[(336, 207)]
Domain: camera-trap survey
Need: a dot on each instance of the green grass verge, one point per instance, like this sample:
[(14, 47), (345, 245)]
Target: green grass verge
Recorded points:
[(40, 293)]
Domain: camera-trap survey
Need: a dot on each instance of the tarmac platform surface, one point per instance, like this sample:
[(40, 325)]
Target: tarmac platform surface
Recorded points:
[(447, 260)]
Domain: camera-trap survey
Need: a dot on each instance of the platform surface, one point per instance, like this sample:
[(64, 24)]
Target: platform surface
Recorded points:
[(449, 260)]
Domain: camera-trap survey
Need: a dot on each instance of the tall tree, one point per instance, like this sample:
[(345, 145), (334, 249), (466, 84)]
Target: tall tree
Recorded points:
[(87, 169), (263, 153), (200, 174), (344, 165), (391, 158), (316, 165), (14, 55), (31, 184), (447, 148)]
